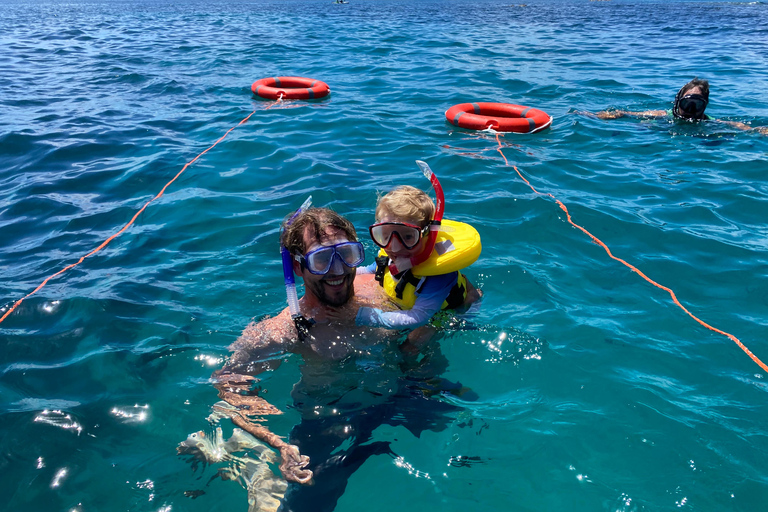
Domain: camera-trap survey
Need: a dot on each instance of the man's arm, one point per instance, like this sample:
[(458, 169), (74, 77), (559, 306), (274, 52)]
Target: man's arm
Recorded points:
[(615, 114), (261, 344), (255, 351), (763, 130)]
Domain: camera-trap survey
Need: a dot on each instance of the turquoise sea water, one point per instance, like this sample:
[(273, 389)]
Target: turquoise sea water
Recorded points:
[(595, 391)]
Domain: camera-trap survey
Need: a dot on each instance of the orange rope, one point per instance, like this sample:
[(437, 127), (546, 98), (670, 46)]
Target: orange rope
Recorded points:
[(635, 269), (108, 240)]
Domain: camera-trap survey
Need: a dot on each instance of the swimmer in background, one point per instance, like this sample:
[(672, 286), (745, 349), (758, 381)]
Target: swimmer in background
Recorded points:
[(690, 103), (405, 217)]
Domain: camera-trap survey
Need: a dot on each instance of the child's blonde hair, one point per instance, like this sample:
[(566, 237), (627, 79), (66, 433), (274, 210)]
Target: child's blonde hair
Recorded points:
[(408, 203)]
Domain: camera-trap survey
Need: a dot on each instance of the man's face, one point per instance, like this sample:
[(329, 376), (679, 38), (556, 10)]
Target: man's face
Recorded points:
[(336, 287)]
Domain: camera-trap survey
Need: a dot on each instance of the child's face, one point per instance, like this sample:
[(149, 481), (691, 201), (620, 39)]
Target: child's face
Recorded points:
[(396, 249)]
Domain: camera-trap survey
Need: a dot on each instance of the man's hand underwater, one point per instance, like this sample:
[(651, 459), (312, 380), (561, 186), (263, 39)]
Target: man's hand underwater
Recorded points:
[(293, 465)]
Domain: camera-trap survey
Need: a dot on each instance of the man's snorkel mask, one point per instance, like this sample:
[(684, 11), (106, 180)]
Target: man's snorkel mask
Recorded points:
[(396, 268), (691, 106), (302, 324)]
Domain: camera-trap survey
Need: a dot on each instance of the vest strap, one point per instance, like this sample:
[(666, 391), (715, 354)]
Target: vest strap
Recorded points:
[(382, 262), (406, 278)]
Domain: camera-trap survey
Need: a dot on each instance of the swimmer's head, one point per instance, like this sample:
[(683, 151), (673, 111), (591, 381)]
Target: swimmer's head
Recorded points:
[(308, 233), (317, 224), (691, 100), (408, 204), (402, 217)]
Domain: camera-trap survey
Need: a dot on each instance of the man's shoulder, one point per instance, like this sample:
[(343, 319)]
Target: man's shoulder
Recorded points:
[(272, 331), (366, 284), (262, 343), (277, 322), (368, 291)]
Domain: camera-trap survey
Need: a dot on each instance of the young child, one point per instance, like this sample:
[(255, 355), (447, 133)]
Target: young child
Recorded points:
[(403, 220)]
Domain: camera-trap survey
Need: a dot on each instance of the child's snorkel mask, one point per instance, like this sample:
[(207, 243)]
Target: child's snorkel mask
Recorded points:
[(302, 324), (396, 268)]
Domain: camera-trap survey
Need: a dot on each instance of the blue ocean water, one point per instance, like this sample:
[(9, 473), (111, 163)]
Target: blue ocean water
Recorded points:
[(596, 391)]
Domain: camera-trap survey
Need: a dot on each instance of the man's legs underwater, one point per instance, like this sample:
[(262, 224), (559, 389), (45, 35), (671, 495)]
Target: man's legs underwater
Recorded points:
[(336, 449)]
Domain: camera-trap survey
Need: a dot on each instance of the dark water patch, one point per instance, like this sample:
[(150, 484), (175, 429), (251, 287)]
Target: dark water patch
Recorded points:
[(15, 144), (68, 154), (50, 343), (65, 35), (35, 102), (164, 87), (132, 78)]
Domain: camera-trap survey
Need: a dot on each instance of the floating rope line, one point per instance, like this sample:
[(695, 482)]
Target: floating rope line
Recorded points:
[(108, 240), (632, 267)]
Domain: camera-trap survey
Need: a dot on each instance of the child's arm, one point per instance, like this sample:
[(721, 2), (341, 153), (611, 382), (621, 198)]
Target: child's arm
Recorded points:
[(369, 269), (428, 302)]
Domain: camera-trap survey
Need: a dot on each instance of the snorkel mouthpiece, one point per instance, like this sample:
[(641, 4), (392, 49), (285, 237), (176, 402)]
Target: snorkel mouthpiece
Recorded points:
[(396, 268)]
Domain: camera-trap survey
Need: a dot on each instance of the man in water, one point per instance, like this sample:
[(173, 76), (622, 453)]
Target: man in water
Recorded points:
[(352, 378), (690, 103)]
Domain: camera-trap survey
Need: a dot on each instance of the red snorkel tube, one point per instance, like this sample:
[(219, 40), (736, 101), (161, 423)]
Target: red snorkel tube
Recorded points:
[(434, 224)]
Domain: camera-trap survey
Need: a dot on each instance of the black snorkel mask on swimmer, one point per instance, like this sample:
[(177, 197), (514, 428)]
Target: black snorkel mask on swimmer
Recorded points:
[(689, 106)]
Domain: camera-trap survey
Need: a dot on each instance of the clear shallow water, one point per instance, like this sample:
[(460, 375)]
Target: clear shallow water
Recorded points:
[(603, 396)]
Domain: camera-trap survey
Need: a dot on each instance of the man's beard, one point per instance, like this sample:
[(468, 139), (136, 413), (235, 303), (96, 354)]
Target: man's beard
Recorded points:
[(330, 297)]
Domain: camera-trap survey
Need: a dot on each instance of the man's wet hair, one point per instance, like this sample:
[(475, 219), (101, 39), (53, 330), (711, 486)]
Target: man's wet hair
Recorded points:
[(316, 222)]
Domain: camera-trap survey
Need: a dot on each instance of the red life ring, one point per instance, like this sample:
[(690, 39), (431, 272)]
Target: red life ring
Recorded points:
[(502, 117), (290, 88)]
